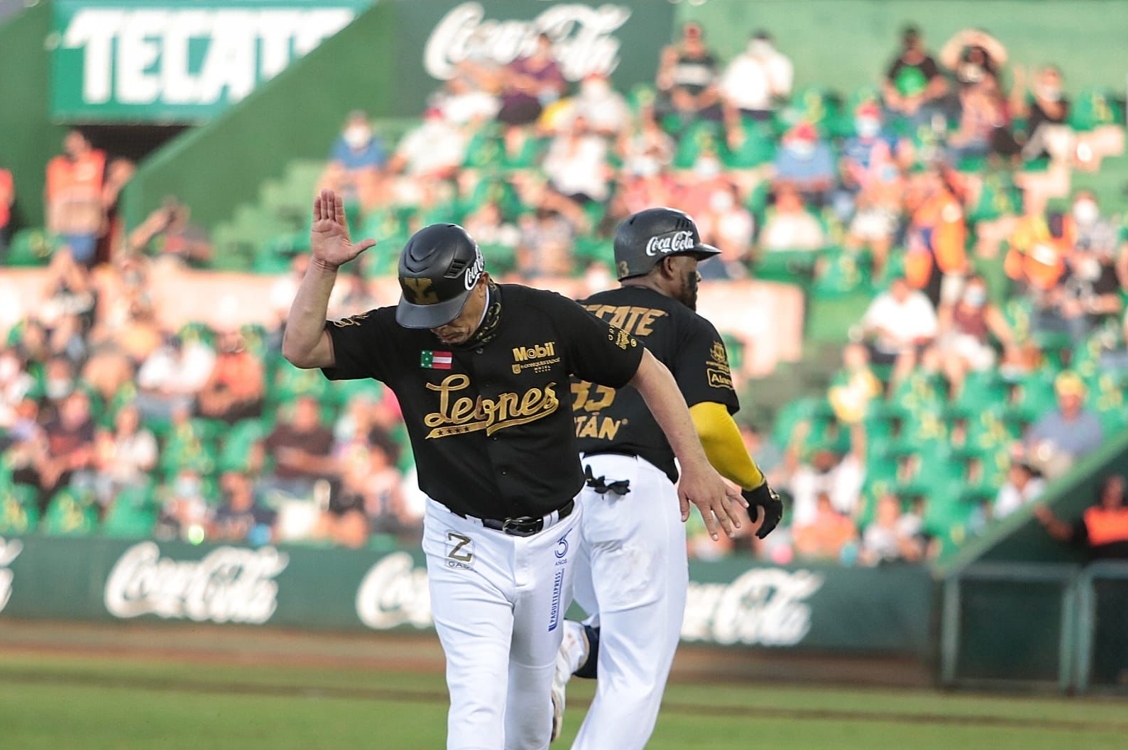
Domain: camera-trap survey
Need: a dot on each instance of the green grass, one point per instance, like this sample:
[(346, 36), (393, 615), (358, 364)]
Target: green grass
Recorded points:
[(53, 702)]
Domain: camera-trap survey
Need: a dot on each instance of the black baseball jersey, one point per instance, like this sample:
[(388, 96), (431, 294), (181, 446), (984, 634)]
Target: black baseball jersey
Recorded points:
[(489, 421), (609, 421)]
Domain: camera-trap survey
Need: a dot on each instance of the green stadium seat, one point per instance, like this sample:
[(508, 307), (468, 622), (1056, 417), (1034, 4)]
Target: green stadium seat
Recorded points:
[(238, 445), (1095, 107), (998, 197), (289, 382), (816, 105), (185, 448), (71, 512), (700, 138), (1033, 395), (31, 247), (757, 148), (981, 391), (132, 514), (840, 273), (18, 511), (786, 266)]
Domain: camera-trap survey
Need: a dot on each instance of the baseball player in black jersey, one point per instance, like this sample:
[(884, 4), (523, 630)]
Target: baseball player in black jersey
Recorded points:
[(632, 573), (482, 372)]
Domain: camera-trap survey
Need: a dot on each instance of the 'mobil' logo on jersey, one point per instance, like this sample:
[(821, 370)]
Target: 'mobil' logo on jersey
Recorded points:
[(460, 415), (538, 358)]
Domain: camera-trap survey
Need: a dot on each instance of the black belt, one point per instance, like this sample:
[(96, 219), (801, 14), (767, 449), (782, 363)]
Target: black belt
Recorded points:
[(527, 525)]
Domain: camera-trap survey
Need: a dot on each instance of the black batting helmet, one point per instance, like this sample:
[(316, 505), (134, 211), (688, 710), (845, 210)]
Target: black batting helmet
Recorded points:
[(645, 238), (438, 268)]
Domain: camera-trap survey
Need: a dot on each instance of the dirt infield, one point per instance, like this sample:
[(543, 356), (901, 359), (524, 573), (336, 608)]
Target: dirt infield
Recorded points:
[(416, 652)]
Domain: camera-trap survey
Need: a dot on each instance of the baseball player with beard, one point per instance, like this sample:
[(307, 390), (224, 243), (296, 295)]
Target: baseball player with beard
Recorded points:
[(482, 371), (632, 573)]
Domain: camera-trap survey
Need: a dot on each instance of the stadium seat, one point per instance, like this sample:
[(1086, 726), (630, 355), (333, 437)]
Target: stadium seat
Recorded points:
[(289, 382), (1033, 395), (840, 272), (701, 137), (132, 515), (18, 511), (757, 148), (238, 445), (981, 391), (71, 512), (1095, 107), (31, 247)]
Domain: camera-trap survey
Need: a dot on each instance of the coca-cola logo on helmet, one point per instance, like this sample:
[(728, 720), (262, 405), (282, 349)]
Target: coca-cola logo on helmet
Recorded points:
[(673, 242), (230, 584), (581, 39)]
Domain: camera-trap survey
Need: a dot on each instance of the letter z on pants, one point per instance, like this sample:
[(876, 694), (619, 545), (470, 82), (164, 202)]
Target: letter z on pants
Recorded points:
[(631, 576), (498, 603)]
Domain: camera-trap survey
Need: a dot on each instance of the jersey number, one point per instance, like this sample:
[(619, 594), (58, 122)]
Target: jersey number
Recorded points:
[(590, 397)]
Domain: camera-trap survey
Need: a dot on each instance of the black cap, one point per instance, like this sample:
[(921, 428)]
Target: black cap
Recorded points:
[(643, 239), (438, 268)]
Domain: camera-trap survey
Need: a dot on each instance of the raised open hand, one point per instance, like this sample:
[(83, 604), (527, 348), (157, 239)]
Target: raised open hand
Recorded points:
[(329, 237)]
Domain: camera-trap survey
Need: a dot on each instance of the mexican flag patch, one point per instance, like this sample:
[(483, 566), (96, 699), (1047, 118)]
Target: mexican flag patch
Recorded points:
[(435, 360)]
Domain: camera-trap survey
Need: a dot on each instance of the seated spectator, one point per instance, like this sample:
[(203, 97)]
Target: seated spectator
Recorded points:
[(432, 151), (184, 509), (356, 162), (462, 102), (1089, 295), (302, 450), (74, 202), (1066, 434), (171, 376), (345, 519), (124, 457), (58, 380), (488, 226), (7, 198), (1024, 484), (167, 232), (790, 226), (827, 535), (1036, 258), (1045, 109), (891, 537), (386, 510), (728, 226), (603, 108), (854, 386), (240, 517), (1102, 529), (66, 340), (873, 227), (576, 164), (68, 448), (935, 259), (982, 114), (756, 81), (687, 79), (805, 163), (23, 443), (1091, 230), (237, 384), (839, 476), (974, 57), (529, 84), (68, 289), (899, 324), (914, 80), (869, 156), (645, 150), (15, 385), (963, 342)]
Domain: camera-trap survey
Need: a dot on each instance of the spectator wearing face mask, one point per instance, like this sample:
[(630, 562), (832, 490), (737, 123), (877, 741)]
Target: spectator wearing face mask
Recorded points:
[(974, 57), (788, 224), (1044, 106), (963, 342), (728, 226), (604, 109), (806, 162), (757, 80), (356, 161)]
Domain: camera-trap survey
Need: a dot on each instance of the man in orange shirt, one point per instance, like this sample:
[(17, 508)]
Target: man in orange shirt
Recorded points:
[(936, 260), (75, 207), (7, 197), (237, 384)]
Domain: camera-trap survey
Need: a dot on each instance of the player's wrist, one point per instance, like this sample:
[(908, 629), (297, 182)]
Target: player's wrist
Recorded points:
[(324, 266)]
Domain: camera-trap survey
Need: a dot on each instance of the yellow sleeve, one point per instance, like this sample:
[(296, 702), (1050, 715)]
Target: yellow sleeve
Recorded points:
[(723, 445)]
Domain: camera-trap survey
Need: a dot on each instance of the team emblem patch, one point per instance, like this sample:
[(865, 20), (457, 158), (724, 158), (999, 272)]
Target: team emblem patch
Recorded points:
[(431, 360), (717, 368)]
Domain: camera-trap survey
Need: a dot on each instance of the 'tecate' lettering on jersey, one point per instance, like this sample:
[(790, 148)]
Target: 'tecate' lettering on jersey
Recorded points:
[(458, 416), (637, 321), (600, 428)]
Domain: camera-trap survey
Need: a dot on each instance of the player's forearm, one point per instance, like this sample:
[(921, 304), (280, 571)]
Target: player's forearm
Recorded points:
[(720, 437), (305, 343), (660, 391)]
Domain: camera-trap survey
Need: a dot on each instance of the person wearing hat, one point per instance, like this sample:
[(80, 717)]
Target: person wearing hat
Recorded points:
[(482, 372), (632, 574), (1069, 432)]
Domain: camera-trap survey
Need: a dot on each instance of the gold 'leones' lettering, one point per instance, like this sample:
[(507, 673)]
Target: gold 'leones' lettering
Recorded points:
[(462, 415)]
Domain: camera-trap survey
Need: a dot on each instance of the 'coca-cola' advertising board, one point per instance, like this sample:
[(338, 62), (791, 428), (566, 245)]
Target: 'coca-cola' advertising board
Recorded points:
[(730, 603)]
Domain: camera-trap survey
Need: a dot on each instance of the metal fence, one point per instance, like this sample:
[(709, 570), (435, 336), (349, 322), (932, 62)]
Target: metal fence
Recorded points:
[(1036, 626)]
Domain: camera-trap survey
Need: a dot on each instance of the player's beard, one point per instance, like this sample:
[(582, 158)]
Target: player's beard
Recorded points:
[(687, 295)]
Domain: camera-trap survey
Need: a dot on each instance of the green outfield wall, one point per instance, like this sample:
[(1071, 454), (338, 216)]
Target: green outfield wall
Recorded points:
[(731, 603)]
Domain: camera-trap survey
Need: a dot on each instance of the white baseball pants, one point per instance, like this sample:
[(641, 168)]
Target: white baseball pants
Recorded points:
[(498, 603), (631, 576)]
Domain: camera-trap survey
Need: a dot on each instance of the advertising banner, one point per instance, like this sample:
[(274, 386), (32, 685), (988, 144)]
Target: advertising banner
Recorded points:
[(730, 603), (178, 61), (622, 38)]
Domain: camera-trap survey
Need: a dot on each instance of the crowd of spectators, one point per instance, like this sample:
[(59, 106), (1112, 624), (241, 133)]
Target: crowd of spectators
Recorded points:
[(995, 320)]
